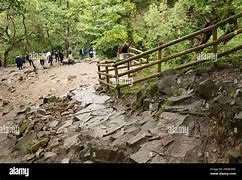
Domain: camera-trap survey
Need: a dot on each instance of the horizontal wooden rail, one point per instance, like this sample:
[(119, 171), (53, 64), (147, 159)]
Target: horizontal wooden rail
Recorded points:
[(181, 39), (106, 74), (228, 36), (106, 62), (232, 50), (106, 83), (105, 65), (185, 65), (142, 79), (135, 50), (125, 66)]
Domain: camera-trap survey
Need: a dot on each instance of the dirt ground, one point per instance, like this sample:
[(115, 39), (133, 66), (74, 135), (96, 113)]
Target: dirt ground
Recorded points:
[(56, 80)]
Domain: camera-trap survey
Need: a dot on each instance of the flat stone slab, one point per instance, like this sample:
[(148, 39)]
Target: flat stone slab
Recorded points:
[(181, 108), (102, 112), (142, 156), (167, 140), (91, 108), (169, 119), (141, 135), (83, 117), (179, 149), (87, 95), (176, 99)]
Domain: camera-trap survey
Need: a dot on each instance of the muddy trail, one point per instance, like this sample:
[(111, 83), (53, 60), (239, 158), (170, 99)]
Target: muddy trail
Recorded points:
[(179, 121)]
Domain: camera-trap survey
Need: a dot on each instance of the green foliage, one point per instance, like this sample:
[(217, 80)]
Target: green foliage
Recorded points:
[(106, 24)]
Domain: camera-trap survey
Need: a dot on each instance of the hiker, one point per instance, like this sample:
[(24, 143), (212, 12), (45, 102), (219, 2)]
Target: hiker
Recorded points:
[(51, 60), (69, 51), (82, 53), (23, 59), (91, 52), (47, 56), (61, 56), (42, 59), (94, 53), (71, 59), (1, 65), (124, 51), (57, 58), (19, 62), (29, 58)]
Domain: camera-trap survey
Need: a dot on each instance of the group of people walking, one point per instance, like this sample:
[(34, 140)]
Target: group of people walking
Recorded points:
[(21, 59), (58, 55)]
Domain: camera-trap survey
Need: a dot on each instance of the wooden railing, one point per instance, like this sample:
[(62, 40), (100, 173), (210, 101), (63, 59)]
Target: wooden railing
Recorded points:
[(106, 70), (136, 60)]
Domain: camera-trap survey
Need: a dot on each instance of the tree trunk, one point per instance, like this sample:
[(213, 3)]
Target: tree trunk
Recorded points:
[(5, 57), (67, 33)]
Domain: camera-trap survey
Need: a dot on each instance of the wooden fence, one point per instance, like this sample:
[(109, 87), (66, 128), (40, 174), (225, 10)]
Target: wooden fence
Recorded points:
[(138, 60)]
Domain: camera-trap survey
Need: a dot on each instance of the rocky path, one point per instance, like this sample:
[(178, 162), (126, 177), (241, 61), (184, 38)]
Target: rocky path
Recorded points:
[(85, 125)]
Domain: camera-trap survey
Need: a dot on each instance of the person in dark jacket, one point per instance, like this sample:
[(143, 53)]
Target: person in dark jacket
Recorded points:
[(19, 62), (23, 59), (124, 51), (29, 59), (91, 53), (82, 53), (57, 59), (61, 56)]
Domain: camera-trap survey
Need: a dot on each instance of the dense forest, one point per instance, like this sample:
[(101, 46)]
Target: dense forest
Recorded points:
[(45, 25)]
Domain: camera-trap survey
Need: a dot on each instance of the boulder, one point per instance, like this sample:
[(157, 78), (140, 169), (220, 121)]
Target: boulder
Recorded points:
[(206, 89), (164, 85)]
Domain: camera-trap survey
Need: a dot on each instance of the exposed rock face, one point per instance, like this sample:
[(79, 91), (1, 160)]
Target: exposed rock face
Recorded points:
[(165, 85), (206, 89)]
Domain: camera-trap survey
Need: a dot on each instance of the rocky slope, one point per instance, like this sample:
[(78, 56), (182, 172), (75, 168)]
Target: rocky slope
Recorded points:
[(192, 117)]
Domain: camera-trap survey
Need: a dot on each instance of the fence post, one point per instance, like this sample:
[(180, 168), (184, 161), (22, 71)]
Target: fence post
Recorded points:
[(128, 68), (106, 68), (215, 46), (128, 64), (159, 57), (117, 80), (99, 70)]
